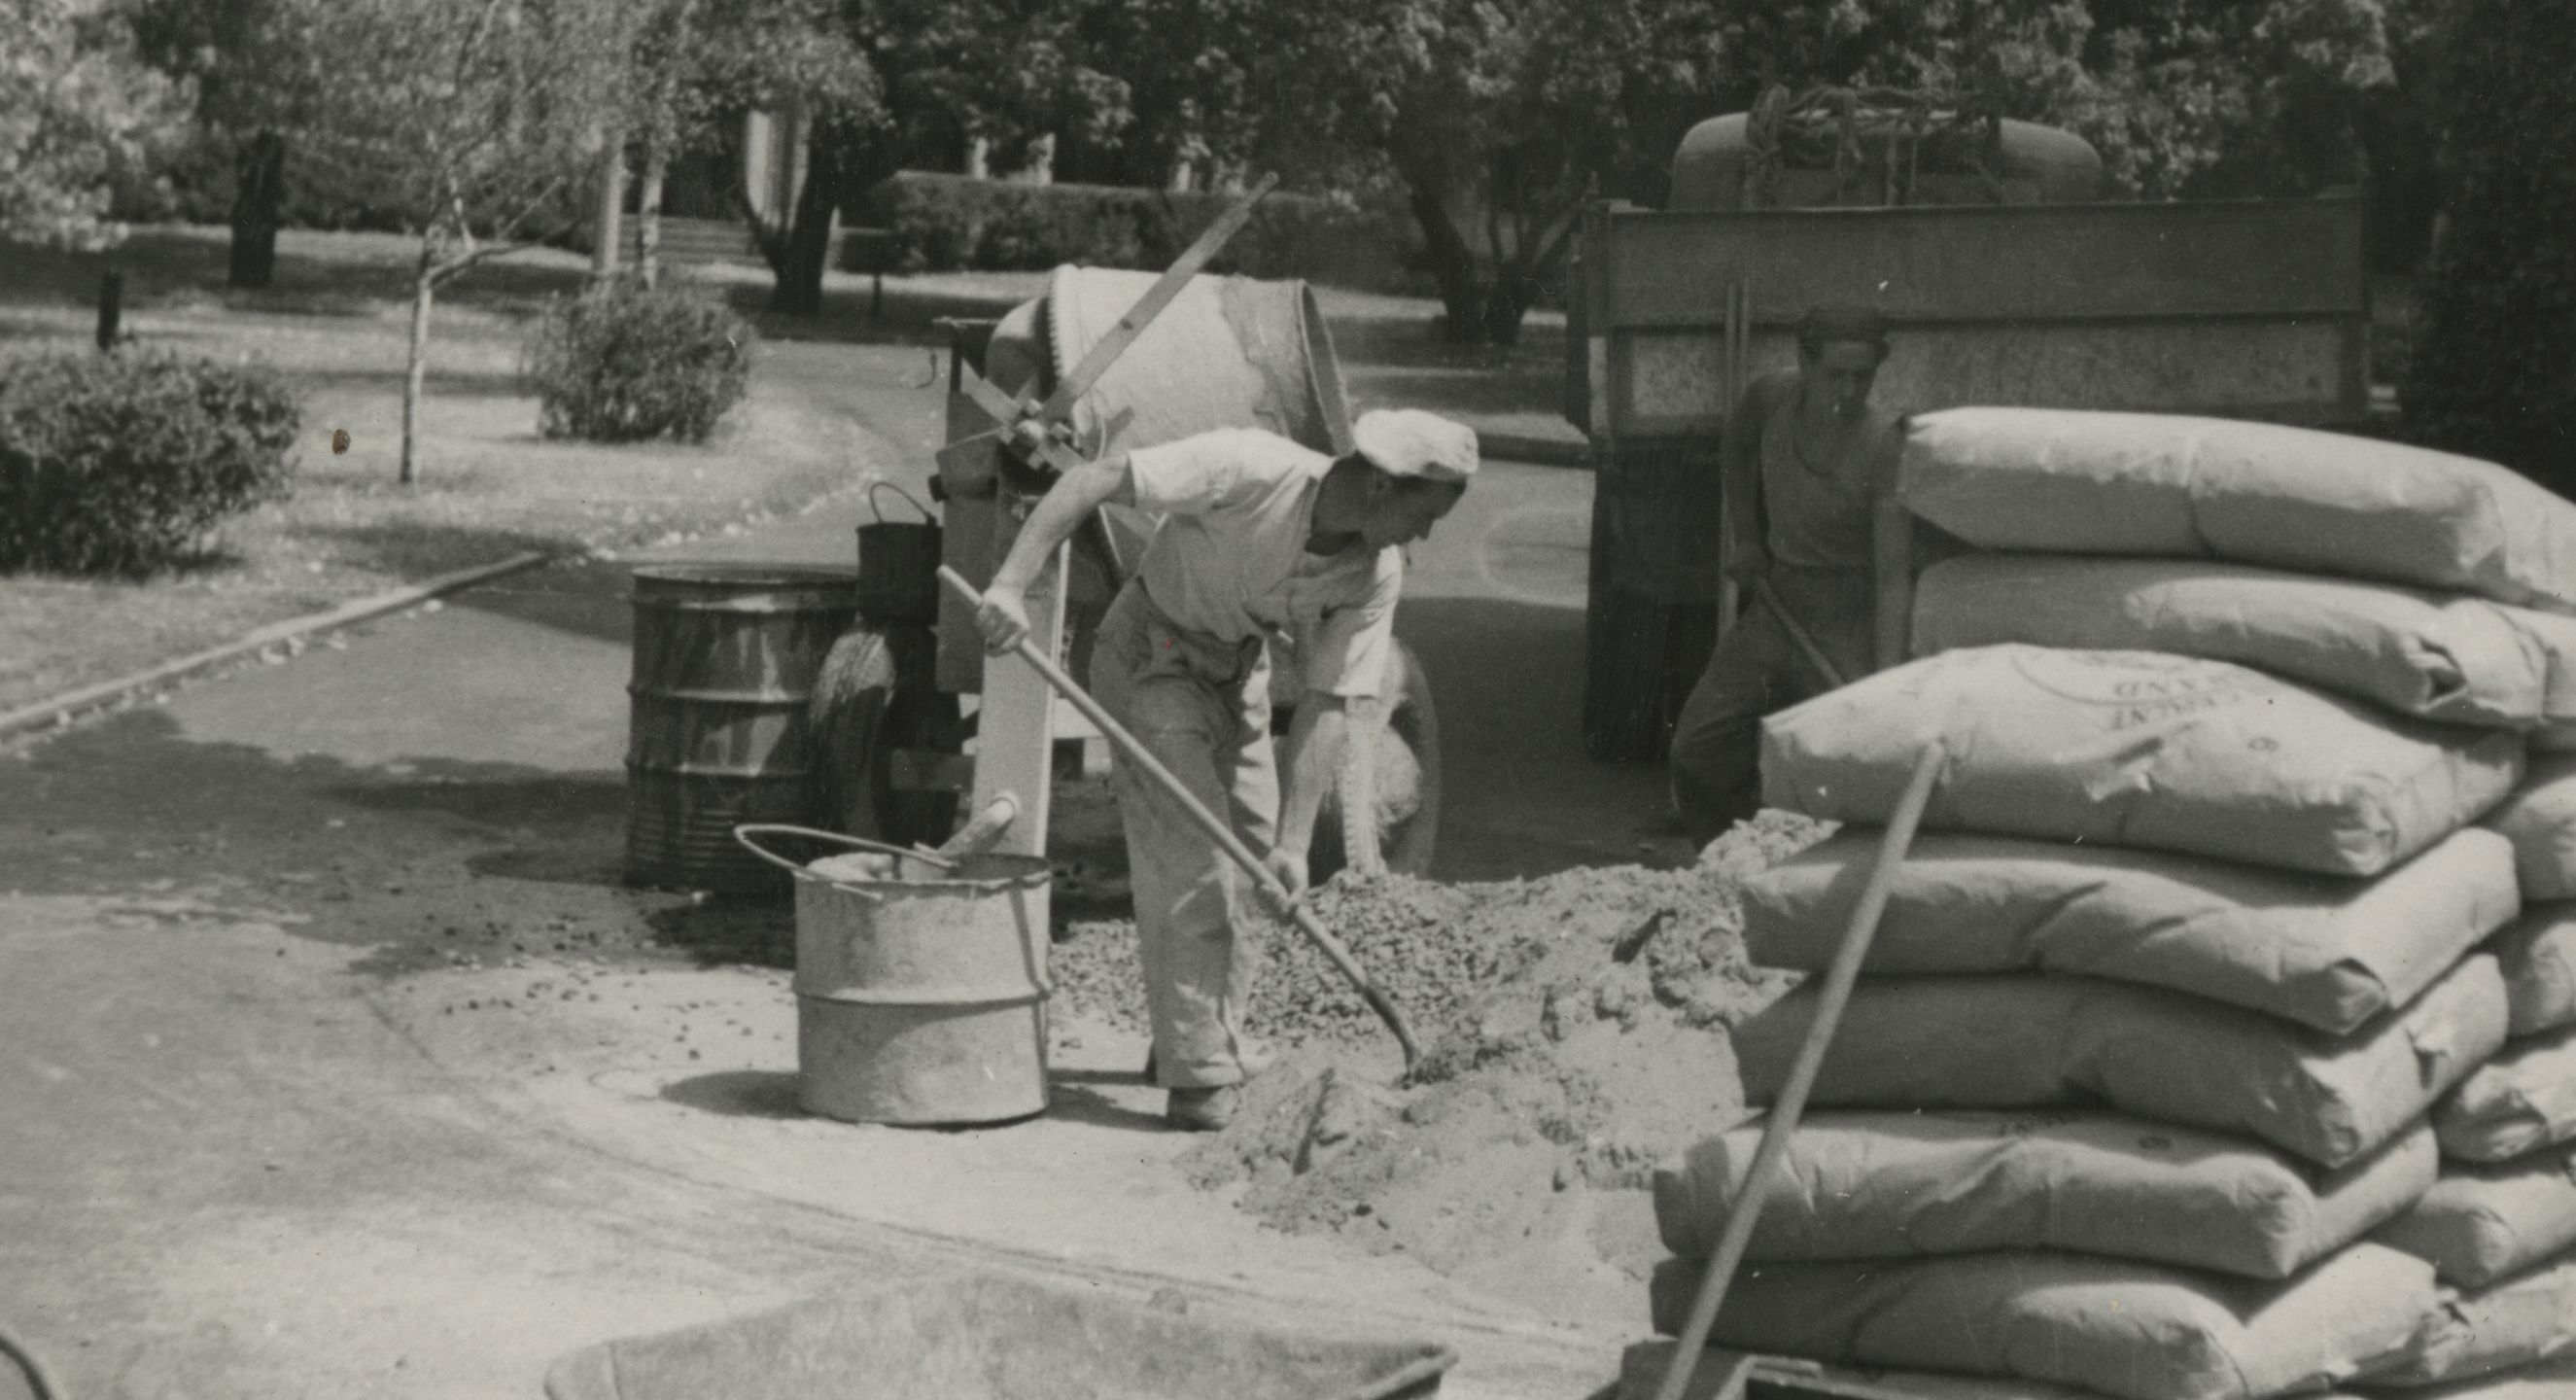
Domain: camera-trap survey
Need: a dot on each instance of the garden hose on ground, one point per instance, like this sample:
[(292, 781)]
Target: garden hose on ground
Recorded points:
[(39, 1383)]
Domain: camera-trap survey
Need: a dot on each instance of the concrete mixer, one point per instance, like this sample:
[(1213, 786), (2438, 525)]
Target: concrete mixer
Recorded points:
[(1224, 352)]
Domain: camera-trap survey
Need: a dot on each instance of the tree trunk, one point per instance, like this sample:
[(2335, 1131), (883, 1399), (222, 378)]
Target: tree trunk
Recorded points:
[(648, 214), (416, 377), (807, 248), (259, 190), (1453, 263)]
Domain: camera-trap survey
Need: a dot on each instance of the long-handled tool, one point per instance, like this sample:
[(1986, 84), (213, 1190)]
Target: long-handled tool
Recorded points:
[(1804, 640), (1802, 1074), (1209, 822)]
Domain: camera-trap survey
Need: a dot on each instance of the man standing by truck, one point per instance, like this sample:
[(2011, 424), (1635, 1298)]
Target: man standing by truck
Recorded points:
[(1260, 536), (1807, 480)]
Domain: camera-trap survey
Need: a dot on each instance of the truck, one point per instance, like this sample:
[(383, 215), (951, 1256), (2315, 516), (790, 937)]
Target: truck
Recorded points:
[(2009, 276)]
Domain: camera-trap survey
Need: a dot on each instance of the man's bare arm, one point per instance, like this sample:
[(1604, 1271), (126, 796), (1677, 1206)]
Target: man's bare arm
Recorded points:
[(1312, 756), (1004, 617)]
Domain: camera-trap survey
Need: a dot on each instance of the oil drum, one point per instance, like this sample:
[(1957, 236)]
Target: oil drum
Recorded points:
[(726, 659)]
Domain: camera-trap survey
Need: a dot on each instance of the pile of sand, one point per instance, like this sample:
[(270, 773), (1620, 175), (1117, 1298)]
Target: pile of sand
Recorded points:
[(1592, 1050)]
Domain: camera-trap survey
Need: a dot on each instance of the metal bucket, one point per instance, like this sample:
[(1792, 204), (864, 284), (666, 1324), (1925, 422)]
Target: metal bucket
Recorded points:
[(899, 563), (920, 997), (725, 662)]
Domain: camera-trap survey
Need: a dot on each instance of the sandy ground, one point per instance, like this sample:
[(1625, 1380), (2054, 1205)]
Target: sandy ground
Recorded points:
[(341, 1063)]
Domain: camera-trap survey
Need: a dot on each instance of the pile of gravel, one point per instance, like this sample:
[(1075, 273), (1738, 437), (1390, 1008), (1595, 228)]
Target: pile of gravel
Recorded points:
[(1667, 936)]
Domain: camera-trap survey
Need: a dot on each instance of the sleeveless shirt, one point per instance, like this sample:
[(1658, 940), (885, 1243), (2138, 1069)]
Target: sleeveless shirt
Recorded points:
[(1817, 515)]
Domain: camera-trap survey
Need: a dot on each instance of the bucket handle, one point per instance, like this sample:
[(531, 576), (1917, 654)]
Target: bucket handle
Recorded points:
[(908, 499), (744, 834)]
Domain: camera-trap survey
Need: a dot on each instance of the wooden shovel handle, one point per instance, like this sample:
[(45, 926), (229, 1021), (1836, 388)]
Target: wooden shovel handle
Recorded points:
[(1792, 1102)]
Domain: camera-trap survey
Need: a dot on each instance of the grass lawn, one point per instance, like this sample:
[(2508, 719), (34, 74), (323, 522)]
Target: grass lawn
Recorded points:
[(490, 488), (336, 323)]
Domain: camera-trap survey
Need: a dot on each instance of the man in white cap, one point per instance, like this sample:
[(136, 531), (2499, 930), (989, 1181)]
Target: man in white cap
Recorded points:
[(1260, 537)]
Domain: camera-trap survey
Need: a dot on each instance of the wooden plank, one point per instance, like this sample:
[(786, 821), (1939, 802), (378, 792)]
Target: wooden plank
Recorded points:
[(1015, 725), (1667, 385), (1995, 263)]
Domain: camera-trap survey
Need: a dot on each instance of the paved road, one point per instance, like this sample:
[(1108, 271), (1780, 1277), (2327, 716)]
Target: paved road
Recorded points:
[(340, 1064)]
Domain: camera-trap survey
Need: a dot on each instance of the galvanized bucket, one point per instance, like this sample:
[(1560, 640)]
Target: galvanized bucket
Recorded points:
[(899, 563), (920, 992), (725, 662)]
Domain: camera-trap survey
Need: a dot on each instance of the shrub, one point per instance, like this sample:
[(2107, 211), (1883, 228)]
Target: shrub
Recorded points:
[(2493, 365), (948, 223), (124, 463), (624, 364)]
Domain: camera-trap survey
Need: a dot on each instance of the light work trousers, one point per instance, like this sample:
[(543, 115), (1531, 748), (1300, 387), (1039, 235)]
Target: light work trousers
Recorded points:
[(1202, 706), (1756, 670)]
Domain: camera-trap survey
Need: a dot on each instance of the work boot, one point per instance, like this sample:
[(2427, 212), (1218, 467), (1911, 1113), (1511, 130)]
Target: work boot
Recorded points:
[(1202, 1110)]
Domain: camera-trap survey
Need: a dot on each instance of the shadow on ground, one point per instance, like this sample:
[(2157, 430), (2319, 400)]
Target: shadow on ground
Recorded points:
[(1520, 798), (486, 858)]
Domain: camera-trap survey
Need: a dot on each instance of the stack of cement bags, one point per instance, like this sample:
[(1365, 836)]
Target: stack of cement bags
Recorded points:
[(2214, 1043)]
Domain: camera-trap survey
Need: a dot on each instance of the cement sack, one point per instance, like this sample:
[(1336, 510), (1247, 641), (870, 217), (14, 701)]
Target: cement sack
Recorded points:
[(2453, 659), (2550, 1380), (2116, 1326), (2539, 817), (1643, 1365), (2481, 1224), (2521, 1101), (2030, 1042), (1882, 1185), (2521, 1322), (2139, 749), (2327, 953), (2538, 955), (2165, 485)]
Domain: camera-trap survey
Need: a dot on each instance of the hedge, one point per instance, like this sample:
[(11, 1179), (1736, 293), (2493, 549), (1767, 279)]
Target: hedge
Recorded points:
[(948, 223), (125, 463), (624, 364), (2493, 367)]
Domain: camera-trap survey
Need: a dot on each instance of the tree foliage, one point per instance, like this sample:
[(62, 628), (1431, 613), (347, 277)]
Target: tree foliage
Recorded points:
[(2494, 363), (77, 105), (1490, 118), (886, 83), (253, 66), (480, 120)]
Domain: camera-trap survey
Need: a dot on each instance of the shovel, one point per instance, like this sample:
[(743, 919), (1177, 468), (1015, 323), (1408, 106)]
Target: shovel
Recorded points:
[(1209, 822)]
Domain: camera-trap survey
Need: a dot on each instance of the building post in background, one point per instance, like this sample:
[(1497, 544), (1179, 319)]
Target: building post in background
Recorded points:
[(608, 220)]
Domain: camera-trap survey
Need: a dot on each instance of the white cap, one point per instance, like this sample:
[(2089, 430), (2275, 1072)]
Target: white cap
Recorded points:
[(1410, 442)]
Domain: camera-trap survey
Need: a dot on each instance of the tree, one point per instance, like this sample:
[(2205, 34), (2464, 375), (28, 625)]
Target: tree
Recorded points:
[(253, 66), (76, 105), (477, 119), (799, 58), (884, 83), (1492, 118), (2494, 364)]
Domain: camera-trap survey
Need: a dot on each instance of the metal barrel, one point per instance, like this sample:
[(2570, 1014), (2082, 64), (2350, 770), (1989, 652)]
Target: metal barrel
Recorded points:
[(922, 1002), (726, 659)]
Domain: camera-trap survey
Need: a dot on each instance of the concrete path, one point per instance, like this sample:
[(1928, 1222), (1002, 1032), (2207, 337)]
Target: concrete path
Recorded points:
[(340, 1063)]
